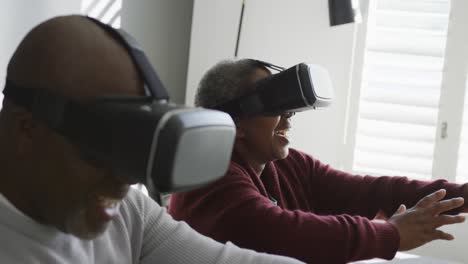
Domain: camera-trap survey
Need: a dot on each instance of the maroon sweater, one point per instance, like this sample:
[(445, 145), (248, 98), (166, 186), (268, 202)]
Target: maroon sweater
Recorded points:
[(322, 214)]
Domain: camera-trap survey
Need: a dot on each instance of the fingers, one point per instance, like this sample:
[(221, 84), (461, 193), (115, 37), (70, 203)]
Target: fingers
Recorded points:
[(401, 209), (446, 205), (431, 199), (437, 234), (381, 216), (420, 224), (442, 220)]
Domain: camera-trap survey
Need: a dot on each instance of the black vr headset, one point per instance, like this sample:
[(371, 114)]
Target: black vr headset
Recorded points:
[(142, 139), (299, 88)]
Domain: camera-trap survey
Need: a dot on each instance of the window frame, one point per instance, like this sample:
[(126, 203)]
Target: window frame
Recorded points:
[(451, 102)]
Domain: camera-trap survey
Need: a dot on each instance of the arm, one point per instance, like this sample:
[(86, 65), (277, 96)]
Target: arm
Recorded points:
[(366, 195), (234, 210), (168, 241)]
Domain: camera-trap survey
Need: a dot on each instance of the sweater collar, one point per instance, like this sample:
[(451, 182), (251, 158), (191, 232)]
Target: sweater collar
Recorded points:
[(8, 204)]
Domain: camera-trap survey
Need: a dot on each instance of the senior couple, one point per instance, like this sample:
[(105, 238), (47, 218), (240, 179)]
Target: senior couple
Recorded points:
[(274, 205)]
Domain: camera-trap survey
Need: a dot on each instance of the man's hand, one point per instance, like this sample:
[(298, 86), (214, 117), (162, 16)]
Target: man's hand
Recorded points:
[(418, 225)]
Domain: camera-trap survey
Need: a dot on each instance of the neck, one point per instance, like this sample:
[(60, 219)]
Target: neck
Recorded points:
[(250, 157)]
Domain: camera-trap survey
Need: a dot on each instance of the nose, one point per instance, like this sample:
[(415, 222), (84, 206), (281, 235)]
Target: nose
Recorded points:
[(288, 114)]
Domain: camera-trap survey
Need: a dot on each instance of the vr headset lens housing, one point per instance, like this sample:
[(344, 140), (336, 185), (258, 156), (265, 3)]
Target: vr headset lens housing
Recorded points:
[(299, 88), (140, 139), (171, 147)]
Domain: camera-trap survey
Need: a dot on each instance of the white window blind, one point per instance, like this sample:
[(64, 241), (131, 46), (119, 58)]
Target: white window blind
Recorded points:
[(107, 11), (462, 167), (400, 90)]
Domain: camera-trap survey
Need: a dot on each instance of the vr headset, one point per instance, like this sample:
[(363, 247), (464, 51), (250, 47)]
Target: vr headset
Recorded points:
[(142, 139), (299, 88)]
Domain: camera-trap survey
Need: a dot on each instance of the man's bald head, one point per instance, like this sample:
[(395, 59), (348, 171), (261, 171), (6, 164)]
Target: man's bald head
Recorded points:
[(73, 56)]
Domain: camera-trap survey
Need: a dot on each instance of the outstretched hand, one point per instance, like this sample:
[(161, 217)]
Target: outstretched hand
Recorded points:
[(418, 225)]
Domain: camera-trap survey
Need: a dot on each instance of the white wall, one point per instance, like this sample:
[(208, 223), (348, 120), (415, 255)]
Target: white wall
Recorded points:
[(17, 17), (213, 38), (162, 27)]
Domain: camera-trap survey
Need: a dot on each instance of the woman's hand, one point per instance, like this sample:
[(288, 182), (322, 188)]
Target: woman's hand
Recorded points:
[(418, 225)]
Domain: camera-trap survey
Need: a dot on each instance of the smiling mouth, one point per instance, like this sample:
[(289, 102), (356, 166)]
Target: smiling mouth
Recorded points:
[(109, 206), (108, 202), (282, 132)]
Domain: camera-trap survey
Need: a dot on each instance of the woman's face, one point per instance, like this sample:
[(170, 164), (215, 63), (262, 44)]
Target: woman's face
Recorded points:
[(264, 138)]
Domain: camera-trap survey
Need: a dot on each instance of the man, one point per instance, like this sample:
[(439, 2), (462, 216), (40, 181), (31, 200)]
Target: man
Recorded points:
[(55, 206), (280, 200)]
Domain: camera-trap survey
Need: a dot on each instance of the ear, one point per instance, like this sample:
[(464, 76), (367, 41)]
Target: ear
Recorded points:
[(240, 133), (23, 126)]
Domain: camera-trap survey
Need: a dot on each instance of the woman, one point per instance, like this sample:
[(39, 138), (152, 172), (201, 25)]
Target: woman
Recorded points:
[(279, 200)]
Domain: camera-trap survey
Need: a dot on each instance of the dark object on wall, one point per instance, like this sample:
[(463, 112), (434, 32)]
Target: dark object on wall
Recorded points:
[(341, 12)]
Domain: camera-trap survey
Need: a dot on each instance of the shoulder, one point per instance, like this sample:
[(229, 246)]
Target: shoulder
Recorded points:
[(300, 162), (296, 158), (236, 172), (137, 206), (236, 168), (135, 200), (295, 154), (237, 184)]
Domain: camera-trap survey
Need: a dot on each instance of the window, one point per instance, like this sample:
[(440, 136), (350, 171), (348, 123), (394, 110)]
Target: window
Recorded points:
[(107, 11), (462, 167), (409, 116)]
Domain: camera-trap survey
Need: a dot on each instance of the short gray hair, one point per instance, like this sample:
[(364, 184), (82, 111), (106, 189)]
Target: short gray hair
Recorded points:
[(225, 81)]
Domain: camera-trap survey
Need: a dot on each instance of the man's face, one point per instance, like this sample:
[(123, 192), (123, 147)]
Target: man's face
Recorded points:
[(55, 186), (72, 195)]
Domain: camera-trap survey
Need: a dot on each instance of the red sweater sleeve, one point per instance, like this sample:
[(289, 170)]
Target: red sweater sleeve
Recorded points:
[(233, 209), (365, 195)]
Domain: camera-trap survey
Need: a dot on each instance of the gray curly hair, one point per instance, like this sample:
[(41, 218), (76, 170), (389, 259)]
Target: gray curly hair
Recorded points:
[(226, 80)]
